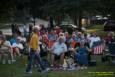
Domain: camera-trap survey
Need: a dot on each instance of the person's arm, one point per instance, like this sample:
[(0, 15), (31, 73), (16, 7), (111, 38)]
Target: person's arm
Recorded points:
[(53, 47), (77, 50), (99, 38), (21, 46), (6, 45), (65, 47), (37, 47), (88, 49)]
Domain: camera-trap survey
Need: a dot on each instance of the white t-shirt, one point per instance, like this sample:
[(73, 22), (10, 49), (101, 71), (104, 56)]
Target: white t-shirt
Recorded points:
[(94, 39), (59, 48), (20, 46), (7, 43), (22, 39)]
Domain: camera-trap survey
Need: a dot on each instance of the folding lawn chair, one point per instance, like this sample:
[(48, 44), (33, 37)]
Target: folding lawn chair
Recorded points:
[(110, 54)]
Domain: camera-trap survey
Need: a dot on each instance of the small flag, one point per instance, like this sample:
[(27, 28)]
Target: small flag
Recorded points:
[(98, 49)]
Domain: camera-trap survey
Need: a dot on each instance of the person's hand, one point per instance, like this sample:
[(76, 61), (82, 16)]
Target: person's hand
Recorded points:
[(1, 42), (72, 49), (37, 52), (38, 49)]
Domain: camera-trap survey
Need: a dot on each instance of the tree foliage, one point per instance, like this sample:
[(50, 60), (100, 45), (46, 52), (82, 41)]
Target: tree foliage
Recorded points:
[(40, 8), (7, 9)]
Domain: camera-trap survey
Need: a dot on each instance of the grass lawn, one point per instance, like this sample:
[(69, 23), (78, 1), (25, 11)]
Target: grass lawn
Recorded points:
[(96, 27), (99, 29), (18, 70)]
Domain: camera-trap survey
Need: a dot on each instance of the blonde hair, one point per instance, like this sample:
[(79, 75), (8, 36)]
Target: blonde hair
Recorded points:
[(61, 38)]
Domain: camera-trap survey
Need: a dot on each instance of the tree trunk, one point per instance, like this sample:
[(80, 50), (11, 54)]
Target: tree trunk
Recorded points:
[(79, 20)]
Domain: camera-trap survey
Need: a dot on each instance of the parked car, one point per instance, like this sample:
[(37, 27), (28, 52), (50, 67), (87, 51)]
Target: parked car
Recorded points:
[(69, 27), (109, 25)]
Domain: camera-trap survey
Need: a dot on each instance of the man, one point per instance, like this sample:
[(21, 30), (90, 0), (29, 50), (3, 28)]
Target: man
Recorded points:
[(58, 50), (94, 38), (34, 51)]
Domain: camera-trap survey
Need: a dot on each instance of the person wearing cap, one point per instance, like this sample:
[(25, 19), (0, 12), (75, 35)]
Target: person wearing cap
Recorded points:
[(34, 51), (18, 46), (58, 50)]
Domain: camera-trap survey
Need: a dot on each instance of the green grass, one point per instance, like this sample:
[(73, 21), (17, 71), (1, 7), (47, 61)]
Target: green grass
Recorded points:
[(18, 70), (99, 30), (96, 27)]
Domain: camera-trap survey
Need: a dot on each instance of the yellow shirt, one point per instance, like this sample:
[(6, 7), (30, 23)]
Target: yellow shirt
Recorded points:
[(34, 42)]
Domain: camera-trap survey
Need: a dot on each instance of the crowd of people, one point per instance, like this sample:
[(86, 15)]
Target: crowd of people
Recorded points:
[(65, 50)]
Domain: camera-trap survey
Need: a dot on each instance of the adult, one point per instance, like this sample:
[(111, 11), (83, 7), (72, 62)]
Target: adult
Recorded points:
[(73, 40), (6, 51), (82, 56), (18, 46), (109, 38), (93, 39), (34, 51), (58, 50), (52, 37)]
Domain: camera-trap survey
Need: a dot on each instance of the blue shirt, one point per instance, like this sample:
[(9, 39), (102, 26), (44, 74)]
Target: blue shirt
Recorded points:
[(12, 41), (59, 48), (52, 37), (82, 50)]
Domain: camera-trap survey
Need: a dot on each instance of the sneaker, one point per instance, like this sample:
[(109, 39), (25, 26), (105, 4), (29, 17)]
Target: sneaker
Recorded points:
[(45, 71), (48, 69), (60, 65), (64, 69), (52, 66), (3, 62), (61, 68), (29, 72), (9, 62), (78, 67), (72, 69), (13, 61), (82, 68), (85, 67)]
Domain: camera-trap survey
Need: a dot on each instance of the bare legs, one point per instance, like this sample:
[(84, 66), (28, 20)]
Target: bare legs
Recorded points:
[(53, 58)]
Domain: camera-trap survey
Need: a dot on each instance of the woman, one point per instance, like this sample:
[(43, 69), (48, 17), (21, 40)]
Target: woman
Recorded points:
[(82, 55), (6, 51)]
